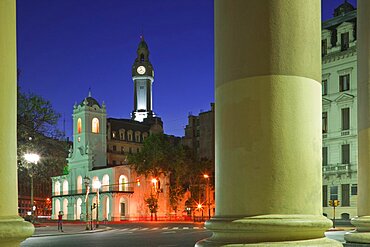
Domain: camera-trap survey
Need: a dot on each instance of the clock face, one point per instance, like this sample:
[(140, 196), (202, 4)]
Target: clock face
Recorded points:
[(140, 70)]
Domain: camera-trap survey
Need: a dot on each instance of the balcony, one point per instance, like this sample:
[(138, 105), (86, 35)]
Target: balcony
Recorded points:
[(339, 169), (114, 188)]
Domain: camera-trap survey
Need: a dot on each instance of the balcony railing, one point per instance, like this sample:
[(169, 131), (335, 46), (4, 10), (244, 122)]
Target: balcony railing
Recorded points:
[(339, 168), (115, 188)]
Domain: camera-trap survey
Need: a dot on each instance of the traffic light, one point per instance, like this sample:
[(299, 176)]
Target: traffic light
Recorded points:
[(330, 203), (336, 203), (138, 181)]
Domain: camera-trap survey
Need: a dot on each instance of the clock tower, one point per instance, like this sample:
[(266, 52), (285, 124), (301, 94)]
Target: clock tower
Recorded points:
[(143, 77)]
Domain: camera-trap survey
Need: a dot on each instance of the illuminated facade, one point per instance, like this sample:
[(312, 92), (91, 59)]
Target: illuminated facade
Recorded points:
[(99, 152), (339, 112)]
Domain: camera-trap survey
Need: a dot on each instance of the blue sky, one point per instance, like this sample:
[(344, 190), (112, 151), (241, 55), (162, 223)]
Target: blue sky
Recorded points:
[(66, 47)]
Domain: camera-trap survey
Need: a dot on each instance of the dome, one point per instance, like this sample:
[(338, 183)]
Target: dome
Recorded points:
[(343, 9), (90, 102)]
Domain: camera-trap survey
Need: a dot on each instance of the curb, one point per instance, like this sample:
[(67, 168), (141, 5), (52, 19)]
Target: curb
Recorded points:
[(74, 233)]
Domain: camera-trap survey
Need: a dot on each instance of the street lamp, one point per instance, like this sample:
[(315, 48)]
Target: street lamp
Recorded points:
[(208, 196), (87, 183), (97, 185), (31, 158)]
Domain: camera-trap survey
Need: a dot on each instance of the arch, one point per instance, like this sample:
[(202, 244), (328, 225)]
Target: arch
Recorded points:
[(65, 208), (56, 208), (95, 178), (79, 126), (95, 125), (57, 188), (78, 208), (122, 208), (345, 216), (105, 183), (65, 187), (105, 206), (79, 184), (123, 183)]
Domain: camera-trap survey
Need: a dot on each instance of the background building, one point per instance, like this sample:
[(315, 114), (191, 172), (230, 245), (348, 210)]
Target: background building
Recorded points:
[(200, 134), (339, 116)]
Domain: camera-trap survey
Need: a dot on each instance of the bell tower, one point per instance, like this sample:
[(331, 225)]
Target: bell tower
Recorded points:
[(143, 77), (89, 135)]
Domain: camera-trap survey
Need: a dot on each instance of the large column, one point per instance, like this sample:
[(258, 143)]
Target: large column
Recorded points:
[(13, 229), (362, 222), (268, 125)]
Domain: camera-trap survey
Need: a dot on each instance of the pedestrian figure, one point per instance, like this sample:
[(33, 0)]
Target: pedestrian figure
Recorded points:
[(60, 222)]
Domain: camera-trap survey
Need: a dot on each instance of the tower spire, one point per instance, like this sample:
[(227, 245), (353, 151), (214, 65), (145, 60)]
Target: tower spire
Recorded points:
[(89, 94)]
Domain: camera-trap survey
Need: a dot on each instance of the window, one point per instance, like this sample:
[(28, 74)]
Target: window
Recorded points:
[(122, 150), (145, 135), (324, 85), (65, 187), (138, 150), (142, 57), (354, 189), (345, 154), (345, 118), (95, 125), (79, 126), (105, 183), (325, 196), (334, 193), (113, 134), (344, 40), (141, 87), (122, 135), (324, 122), (325, 156), (129, 135), (137, 136), (345, 195), (324, 45), (79, 184), (114, 162), (343, 83), (114, 148)]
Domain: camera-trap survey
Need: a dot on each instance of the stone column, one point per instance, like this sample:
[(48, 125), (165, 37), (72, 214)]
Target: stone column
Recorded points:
[(362, 222), (268, 125), (13, 229)]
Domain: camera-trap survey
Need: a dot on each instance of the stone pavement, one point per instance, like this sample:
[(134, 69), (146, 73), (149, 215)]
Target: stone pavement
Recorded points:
[(51, 229)]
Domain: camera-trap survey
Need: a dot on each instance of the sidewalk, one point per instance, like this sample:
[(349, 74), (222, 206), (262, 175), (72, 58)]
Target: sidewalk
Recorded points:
[(51, 229)]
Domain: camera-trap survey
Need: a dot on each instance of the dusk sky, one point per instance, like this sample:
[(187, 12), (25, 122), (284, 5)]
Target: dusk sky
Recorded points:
[(66, 47)]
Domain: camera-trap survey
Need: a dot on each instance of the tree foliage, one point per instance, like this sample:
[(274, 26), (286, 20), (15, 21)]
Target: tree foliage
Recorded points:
[(37, 132), (160, 156), (155, 156)]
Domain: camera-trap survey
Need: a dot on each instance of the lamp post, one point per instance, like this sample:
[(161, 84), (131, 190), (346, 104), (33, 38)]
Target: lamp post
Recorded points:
[(97, 185), (31, 158), (208, 196), (87, 183)]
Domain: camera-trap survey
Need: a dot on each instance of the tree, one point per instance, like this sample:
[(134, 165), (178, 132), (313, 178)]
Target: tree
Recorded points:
[(37, 132), (155, 156), (152, 203)]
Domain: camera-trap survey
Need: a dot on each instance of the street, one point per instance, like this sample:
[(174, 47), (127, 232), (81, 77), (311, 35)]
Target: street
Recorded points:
[(143, 234), (131, 235)]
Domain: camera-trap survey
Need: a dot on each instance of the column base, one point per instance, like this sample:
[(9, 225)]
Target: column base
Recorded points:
[(362, 232), (14, 230), (269, 230)]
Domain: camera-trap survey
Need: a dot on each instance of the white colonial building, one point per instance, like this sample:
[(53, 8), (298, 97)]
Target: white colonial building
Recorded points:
[(99, 153), (339, 112)]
